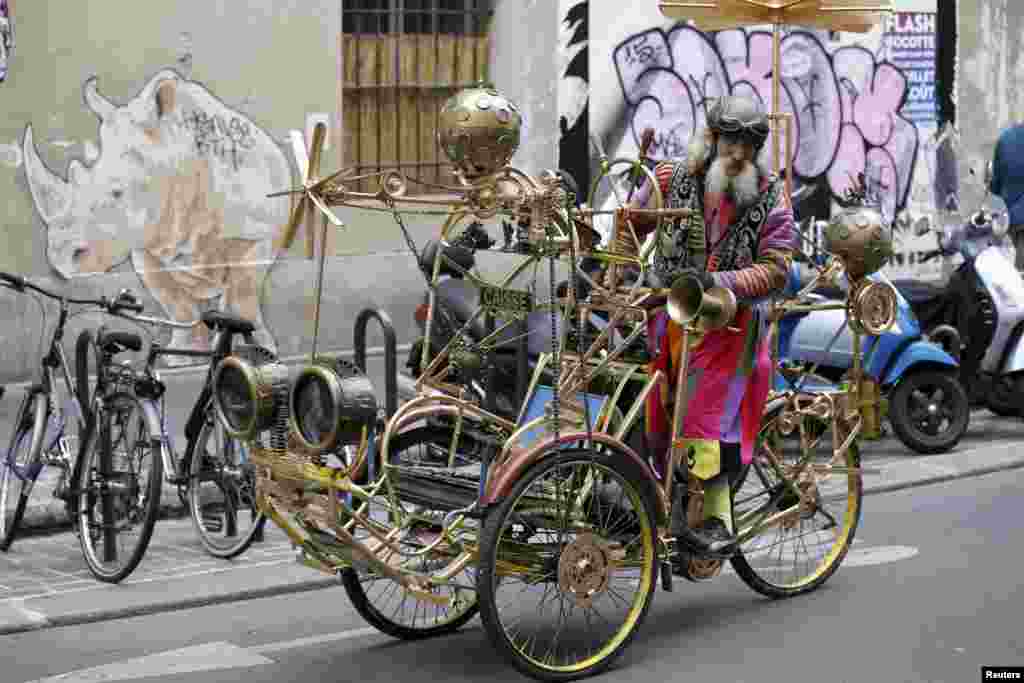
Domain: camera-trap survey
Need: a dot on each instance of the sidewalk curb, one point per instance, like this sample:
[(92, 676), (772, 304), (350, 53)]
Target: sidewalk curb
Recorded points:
[(1017, 463), (102, 615)]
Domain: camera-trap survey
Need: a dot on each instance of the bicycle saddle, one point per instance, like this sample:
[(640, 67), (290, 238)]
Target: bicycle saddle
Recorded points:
[(119, 342), (216, 320)]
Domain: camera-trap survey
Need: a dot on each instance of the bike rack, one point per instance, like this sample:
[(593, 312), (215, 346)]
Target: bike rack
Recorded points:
[(390, 353)]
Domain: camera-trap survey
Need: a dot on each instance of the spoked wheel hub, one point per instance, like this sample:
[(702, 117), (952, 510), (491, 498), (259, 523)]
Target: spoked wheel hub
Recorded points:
[(585, 568)]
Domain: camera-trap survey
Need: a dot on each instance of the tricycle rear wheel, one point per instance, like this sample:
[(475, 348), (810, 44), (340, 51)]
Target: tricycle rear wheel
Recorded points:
[(576, 533), (388, 606)]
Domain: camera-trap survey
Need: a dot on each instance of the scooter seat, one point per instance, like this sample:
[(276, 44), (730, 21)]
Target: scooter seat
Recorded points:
[(917, 292), (460, 255)]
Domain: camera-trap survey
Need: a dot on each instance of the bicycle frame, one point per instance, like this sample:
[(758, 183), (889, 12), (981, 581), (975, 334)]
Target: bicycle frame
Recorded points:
[(152, 390)]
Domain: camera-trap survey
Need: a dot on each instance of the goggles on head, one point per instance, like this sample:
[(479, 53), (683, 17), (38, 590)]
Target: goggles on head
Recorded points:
[(738, 119)]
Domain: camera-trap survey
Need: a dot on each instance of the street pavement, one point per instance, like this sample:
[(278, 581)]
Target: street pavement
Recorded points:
[(929, 592), (44, 583)]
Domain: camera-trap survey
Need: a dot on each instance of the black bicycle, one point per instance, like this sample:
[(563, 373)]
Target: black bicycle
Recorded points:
[(41, 435), (216, 481)]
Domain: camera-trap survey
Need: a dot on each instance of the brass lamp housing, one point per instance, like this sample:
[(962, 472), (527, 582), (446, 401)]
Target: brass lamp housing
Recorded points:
[(479, 130), (262, 379), (351, 403)]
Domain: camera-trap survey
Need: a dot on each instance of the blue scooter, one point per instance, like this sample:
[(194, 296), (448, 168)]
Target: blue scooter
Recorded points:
[(927, 405)]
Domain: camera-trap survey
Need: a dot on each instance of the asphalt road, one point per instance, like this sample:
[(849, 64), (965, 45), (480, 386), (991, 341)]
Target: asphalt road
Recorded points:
[(929, 592)]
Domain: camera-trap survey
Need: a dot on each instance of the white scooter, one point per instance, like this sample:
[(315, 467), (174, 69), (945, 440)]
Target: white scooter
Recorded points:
[(983, 300)]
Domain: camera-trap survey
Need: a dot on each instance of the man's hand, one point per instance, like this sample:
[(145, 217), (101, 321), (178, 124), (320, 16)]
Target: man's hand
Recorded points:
[(706, 281)]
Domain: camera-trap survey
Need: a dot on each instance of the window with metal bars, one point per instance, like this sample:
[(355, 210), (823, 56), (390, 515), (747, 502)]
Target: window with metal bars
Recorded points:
[(453, 17)]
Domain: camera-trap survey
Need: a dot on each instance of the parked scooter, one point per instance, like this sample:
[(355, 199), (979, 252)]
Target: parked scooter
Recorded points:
[(456, 301), (927, 405), (984, 300)]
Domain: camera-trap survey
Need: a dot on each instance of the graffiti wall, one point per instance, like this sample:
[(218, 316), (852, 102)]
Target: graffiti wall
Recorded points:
[(574, 89), (177, 188), (6, 38), (861, 103)]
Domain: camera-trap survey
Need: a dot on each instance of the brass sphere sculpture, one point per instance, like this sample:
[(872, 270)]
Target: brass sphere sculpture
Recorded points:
[(860, 237), (479, 130)]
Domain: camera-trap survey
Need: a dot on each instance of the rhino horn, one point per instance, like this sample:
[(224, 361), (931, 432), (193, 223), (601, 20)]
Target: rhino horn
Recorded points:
[(100, 105), (50, 192)]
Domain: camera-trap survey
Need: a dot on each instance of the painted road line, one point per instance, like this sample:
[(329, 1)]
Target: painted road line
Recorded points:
[(154, 579), (190, 660), (283, 645), (216, 656)]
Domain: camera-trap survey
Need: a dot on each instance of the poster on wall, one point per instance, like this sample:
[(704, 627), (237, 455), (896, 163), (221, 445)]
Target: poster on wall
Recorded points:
[(910, 41), (861, 103), (6, 38)]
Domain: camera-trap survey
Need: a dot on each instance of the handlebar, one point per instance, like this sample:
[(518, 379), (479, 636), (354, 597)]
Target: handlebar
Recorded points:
[(123, 305)]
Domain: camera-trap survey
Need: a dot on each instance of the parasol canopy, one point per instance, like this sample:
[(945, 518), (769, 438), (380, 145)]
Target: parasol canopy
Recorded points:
[(855, 16)]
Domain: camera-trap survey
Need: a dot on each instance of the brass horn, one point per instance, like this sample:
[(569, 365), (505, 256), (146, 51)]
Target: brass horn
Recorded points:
[(688, 301)]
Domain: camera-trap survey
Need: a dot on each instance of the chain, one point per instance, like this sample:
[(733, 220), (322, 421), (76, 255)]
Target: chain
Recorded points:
[(555, 354), (405, 231), (573, 282)]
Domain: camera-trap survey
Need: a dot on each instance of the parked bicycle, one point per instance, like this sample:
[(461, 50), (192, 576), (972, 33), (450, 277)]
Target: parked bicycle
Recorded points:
[(41, 435), (216, 482)]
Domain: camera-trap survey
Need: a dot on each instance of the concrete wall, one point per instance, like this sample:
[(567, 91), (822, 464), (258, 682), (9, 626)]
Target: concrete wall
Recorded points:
[(990, 75), (79, 240), (157, 196), (524, 43)]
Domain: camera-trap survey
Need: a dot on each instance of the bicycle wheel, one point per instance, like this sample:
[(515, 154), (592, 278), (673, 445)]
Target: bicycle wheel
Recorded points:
[(118, 499), (388, 606), (802, 543), (576, 535), (222, 490), (21, 465)]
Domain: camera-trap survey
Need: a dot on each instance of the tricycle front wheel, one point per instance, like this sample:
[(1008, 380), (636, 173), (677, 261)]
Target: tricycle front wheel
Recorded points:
[(568, 564)]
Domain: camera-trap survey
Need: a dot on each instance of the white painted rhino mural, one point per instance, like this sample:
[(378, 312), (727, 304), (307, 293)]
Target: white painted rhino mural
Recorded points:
[(180, 188)]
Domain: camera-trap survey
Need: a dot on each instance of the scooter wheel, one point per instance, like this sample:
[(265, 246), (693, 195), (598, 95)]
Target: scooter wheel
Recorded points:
[(929, 411), (1003, 397)]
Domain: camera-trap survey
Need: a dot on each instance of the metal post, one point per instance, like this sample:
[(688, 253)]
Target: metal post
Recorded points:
[(390, 353), (319, 288)]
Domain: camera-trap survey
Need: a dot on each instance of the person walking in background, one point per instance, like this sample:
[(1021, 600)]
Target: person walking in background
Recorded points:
[(1008, 182)]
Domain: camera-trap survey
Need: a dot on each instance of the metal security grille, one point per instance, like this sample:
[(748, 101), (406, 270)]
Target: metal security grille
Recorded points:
[(402, 59)]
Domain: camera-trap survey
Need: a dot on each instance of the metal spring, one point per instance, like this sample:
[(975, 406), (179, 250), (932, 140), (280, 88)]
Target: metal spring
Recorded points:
[(279, 431)]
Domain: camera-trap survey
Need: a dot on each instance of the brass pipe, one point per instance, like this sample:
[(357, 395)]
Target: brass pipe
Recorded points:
[(319, 288), (682, 395)]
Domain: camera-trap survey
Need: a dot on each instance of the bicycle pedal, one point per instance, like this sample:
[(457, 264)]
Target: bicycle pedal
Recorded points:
[(214, 525)]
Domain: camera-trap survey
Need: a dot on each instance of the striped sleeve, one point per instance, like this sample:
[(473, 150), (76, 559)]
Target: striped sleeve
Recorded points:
[(644, 225), (776, 246)]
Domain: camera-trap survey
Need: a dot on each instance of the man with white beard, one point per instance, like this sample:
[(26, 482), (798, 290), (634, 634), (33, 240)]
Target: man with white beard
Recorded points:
[(741, 237)]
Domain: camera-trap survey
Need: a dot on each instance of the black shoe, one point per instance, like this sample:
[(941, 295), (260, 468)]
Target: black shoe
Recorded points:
[(709, 537)]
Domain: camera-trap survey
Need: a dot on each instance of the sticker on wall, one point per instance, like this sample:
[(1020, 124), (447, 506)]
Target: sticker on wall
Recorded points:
[(6, 38)]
